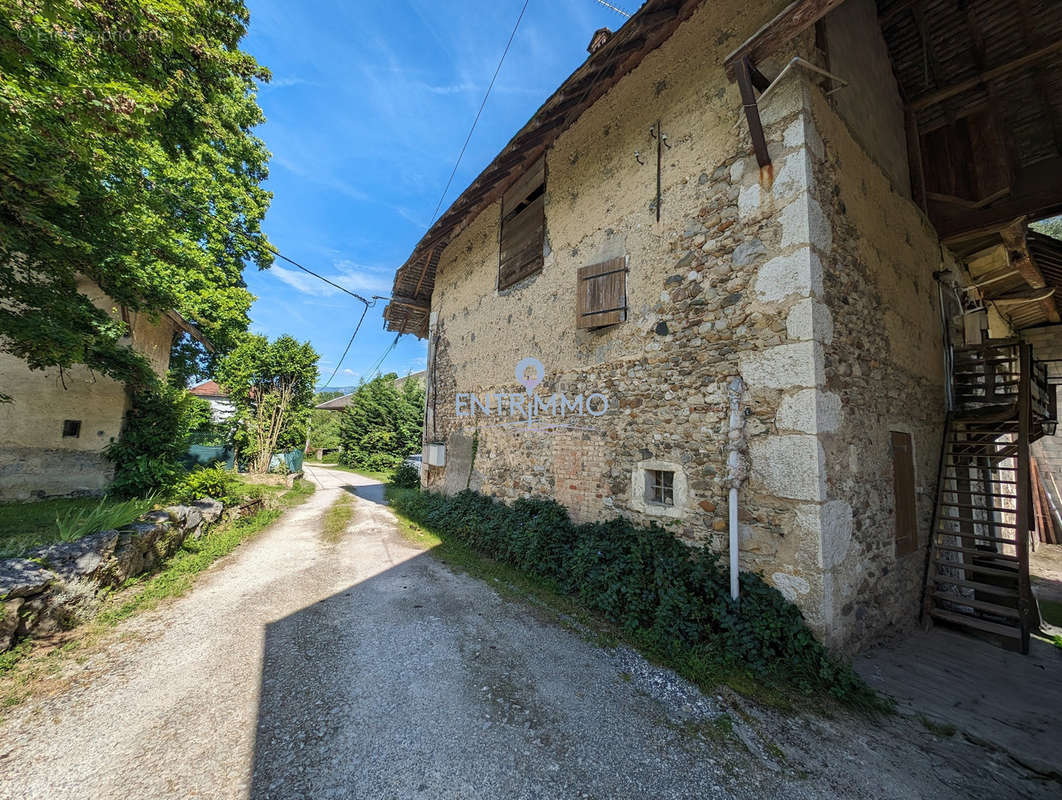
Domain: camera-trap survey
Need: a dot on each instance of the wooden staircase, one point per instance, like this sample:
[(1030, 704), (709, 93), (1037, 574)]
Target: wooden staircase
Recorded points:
[(977, 573)]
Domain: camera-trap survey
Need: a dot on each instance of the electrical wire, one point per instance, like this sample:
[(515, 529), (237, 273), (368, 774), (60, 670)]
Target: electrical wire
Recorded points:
[(307, 270), (478, 113), (346, 350), (376, 367)]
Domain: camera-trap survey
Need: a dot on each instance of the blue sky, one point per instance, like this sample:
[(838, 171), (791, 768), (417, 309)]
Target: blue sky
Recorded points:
[(366, 113)]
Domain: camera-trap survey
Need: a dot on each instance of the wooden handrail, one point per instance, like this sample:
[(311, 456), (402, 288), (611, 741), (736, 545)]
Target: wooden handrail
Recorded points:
[(1024, 495)]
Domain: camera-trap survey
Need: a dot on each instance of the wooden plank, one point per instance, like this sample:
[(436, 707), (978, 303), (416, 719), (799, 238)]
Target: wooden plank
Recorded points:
[(981, 605), (793, 20), (409, 302), (1036, 193), (602, 294), (987, 588), (940, 95), (752, 115), (1024, 496), (975, 622), (896, 10), (903, 483), (1040, 530), (532, 178)]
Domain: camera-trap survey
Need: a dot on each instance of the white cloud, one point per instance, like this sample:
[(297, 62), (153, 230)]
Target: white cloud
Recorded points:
[(284, 83), (350, 372), (301, 282), (360, 278), (455, 88)]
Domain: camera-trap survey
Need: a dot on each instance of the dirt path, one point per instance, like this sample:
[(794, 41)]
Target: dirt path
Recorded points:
[(367, 669)]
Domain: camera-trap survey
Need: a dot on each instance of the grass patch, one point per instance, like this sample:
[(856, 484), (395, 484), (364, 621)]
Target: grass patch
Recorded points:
[(1051, 611), (22, 668), (24, 526), (338, 517), (615, 582)]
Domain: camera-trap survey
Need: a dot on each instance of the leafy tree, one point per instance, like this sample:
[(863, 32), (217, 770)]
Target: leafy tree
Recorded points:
[(126, 156), (324, 425), (383, 424), (1052, 227), (271, 386), (147, 454)]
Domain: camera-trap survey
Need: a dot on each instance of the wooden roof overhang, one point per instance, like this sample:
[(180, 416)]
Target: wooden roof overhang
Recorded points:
[(646, 30), (1017, 270), (982, 84)]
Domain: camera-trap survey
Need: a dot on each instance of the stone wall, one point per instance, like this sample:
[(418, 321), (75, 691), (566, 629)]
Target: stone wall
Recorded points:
[(783, 276), (885, 364), (36, 459), (45, 591)]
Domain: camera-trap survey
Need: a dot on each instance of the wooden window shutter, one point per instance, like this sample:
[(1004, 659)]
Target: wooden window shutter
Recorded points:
[(523, 226), (903, 487), (602, 294)]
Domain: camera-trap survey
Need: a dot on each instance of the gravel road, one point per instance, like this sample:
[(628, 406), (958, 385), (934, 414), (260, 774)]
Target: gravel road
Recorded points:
[(364, 668)]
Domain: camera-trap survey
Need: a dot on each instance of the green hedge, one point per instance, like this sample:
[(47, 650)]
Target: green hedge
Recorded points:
[(672, 600)]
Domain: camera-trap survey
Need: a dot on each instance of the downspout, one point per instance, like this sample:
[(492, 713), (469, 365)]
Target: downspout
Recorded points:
[(737, 472)]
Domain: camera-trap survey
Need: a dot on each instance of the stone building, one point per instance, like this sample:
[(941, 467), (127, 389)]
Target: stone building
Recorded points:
[(755, 190), (54, 431)]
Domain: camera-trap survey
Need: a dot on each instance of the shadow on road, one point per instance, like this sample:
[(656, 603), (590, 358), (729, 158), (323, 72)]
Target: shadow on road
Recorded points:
[(348, 707), (373, 492)]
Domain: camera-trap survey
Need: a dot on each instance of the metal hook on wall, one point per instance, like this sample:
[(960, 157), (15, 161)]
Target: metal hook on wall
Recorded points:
[(638, 157)]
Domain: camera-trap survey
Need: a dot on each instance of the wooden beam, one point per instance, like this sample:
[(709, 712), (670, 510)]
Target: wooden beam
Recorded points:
[(940, 95), (1019, 296), (427, 263), (1043, 91), (793, 20), (1036, 193), (752, 113), (932, 64), (896, 10), (409, 302), (914, 159), (1014, 238)]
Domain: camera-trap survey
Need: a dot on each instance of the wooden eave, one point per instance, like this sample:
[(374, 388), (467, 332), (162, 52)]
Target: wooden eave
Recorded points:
[(645, 31), (1019, 271), (952, 60), (983, 61)]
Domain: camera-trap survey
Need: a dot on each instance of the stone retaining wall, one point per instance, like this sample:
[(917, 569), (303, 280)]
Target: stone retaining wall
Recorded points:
[(36, 592)]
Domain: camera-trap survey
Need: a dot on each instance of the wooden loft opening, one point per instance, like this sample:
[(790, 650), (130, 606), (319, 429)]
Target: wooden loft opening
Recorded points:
[(982, 82)]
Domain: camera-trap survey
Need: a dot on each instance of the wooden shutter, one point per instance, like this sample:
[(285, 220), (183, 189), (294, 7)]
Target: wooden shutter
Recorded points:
[(903, 487), (523, 226), (602, 294)]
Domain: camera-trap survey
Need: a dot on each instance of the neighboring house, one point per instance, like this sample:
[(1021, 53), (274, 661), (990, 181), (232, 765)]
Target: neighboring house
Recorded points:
[(221, 407), (341, 402), (53, 433), (828, 203)]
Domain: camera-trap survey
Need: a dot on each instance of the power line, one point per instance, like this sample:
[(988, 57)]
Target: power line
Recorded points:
[(276, 252), (364, 311), (375, 367), (478, 113), (293, 262)]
